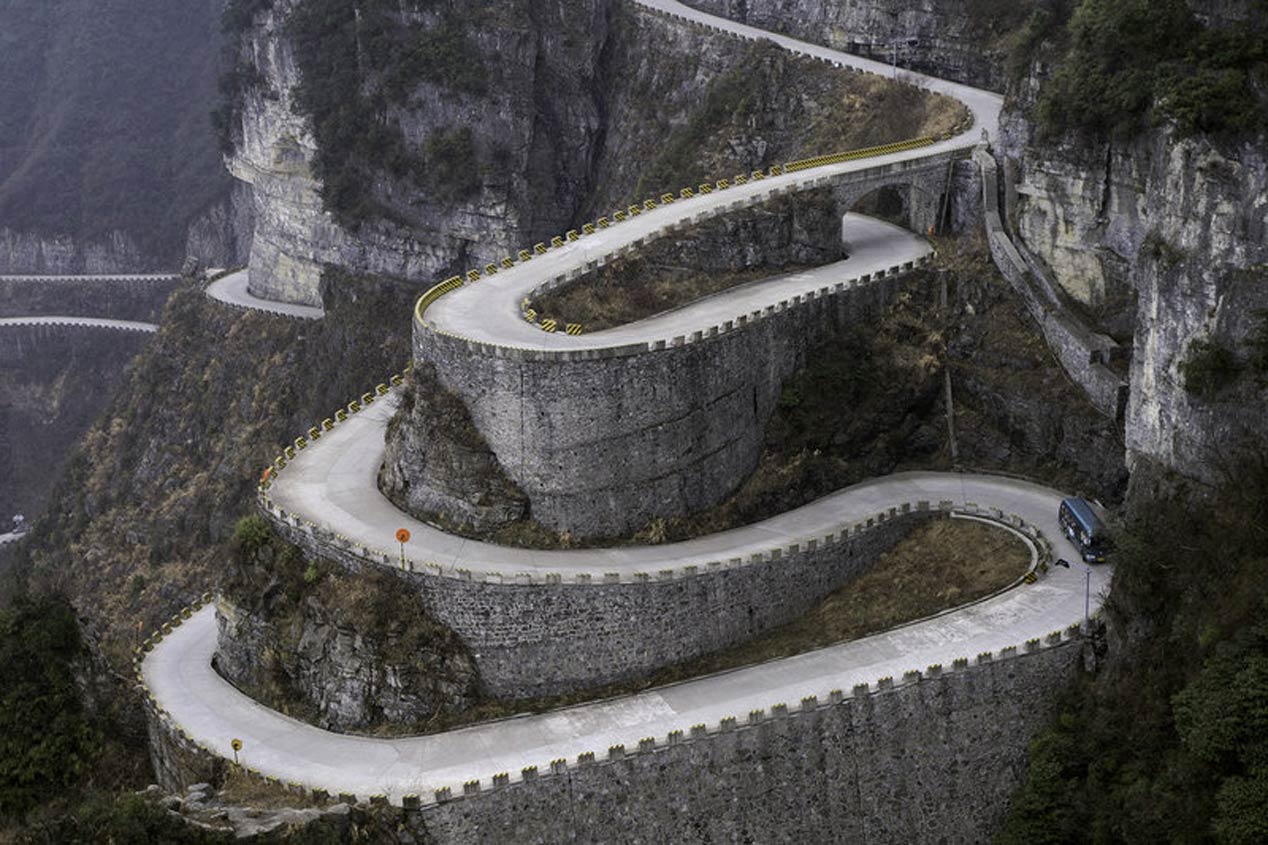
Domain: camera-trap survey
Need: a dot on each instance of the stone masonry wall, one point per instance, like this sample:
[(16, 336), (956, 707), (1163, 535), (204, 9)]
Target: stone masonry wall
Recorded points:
[(603, 446), (679, 425), (550, 637), (935, 759)]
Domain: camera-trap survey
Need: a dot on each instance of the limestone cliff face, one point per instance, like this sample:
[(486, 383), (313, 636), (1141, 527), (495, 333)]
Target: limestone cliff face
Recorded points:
[(222, 236), (966, 42), (576, 103), (293, 235), (33, 252), (533, 130), (1162, 239)]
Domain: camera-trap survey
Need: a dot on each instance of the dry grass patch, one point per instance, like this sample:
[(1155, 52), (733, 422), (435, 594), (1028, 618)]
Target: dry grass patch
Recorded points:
[(634, 293)]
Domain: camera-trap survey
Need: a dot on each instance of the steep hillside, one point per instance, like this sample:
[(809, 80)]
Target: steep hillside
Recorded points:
[(106, 153), (1136, 145), (136, 525), (54, 382), (966, 41)]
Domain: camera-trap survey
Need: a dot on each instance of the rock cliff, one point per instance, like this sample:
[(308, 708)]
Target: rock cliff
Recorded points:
[(344, 651), (968, 42), (1158, 238), (546, 117)]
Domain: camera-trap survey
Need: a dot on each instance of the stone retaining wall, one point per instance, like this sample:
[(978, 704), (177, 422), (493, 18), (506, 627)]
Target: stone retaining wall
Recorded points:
[(540, 636), (602, 444), (935, 758)]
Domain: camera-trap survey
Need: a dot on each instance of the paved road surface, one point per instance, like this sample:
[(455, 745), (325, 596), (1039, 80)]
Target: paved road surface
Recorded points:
[(82, 322), (489, 310), (232, 290)]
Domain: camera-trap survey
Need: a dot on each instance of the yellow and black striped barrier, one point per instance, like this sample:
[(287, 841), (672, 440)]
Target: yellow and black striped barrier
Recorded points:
[(549, 325), (424, 301), (854, 155), (530, 315), (573, 329), (540, 249)]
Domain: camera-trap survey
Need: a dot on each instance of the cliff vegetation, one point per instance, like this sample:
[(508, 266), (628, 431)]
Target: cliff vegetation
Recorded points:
[(1169, 741), (1124, 65)]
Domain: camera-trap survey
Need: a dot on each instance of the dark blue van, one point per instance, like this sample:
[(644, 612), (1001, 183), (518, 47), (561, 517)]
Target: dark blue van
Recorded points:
[(1085, 529)]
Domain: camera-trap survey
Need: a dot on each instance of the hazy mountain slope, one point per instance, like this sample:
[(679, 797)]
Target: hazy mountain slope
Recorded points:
[(105, 135)]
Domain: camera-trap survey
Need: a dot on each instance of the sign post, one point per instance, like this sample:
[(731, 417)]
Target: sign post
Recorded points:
[(236, 745), (402, 537)]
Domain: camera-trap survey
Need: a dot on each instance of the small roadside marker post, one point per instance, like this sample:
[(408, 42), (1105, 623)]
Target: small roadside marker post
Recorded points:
[(236, 745), (1087, 590), (402, 537)]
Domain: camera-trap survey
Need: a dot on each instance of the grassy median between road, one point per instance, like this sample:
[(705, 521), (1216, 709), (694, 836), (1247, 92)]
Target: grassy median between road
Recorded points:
[(941, 565)]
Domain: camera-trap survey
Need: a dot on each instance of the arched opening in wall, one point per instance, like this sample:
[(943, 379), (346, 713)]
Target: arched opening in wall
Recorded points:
[(888, 203), (902, 205)]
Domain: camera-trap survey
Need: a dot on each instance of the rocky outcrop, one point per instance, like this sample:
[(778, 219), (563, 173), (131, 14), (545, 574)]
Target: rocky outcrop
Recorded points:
[(532, 131), (581, 110), (222, 236), (966, 42), (438, 467), (344, 651)]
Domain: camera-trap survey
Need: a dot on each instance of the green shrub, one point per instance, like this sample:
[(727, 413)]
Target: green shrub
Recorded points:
[(1159, 249), (1131, 63), (253, 533), (1208, 368), (46, 740), (1258, 343), (359, 61), (452, 164), (239, 14), (128, 818)]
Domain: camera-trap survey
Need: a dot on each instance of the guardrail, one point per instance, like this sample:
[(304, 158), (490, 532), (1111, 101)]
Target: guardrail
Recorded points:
[(476, 786), (474, 275)]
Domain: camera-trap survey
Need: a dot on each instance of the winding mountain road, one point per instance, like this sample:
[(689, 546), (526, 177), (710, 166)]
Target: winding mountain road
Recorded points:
[(80, 322), (98, 277), (233, 290), (179, 673), (331, 483)]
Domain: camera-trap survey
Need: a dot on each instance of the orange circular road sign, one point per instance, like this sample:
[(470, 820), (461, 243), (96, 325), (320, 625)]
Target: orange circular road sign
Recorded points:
[(402, 536)]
